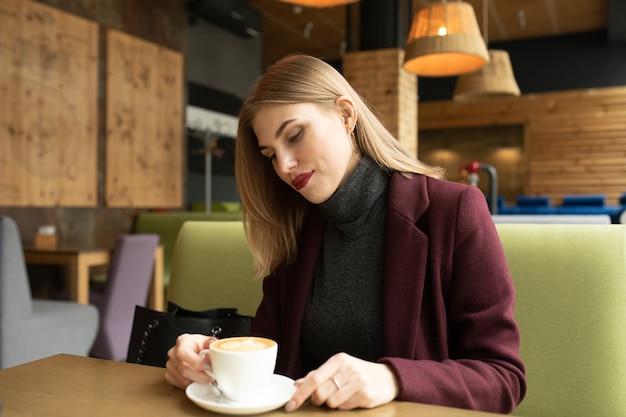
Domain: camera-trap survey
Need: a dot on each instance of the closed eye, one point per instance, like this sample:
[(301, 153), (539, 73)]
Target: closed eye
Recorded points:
[(296, 137), (291, 140)]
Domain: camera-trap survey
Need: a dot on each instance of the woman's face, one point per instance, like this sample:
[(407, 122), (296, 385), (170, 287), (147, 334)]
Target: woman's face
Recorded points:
[(309, 145)]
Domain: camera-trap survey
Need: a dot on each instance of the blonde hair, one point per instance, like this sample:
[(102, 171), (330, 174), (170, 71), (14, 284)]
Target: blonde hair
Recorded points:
[(273, 212)]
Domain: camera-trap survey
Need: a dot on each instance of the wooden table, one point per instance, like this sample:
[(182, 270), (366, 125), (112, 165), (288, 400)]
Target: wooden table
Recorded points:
[(77, 261), (66, 385)]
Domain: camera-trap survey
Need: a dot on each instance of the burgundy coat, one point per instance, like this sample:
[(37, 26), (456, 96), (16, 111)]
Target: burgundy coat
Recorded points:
[(448, 327)]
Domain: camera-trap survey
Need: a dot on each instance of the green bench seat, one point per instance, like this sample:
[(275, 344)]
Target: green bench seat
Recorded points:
[(570, 284)]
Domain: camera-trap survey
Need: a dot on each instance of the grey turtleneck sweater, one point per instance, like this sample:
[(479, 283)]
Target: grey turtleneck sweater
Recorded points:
[(343, 313)]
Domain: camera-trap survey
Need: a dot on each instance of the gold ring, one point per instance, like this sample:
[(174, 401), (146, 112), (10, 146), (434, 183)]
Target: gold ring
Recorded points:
[(337, 384)]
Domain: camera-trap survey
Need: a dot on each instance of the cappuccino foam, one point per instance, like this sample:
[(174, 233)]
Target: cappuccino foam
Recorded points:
[(243, 344)]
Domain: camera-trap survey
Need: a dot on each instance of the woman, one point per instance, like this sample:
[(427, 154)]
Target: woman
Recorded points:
[(384, 280)]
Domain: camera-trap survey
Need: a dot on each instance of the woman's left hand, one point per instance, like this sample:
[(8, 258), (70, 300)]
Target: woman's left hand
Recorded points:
[(345, 382)]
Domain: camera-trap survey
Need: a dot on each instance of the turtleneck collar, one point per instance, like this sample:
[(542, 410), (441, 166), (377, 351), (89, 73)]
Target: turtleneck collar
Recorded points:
[(357, 195)]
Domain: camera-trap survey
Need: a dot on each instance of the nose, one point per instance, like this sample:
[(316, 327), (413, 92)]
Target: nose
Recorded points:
[(285, 162)]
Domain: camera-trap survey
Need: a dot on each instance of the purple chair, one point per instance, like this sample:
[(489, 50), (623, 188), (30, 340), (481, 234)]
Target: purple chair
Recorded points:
[(127, 285)]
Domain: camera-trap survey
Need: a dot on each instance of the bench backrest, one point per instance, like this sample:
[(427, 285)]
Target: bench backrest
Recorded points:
[(571, 308), (212, 267), (168, 224)]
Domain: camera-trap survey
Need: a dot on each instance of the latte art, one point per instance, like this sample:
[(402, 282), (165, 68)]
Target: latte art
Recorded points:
[(242, 344)]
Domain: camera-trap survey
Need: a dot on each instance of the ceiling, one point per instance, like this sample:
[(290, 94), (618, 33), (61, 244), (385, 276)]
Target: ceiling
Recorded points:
[(321, 32)]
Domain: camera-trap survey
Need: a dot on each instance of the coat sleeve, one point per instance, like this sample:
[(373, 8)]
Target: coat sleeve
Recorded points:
[(483, 369)]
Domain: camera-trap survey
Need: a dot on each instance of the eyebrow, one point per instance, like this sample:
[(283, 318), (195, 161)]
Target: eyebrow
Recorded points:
[(279, 131), (282, 127)]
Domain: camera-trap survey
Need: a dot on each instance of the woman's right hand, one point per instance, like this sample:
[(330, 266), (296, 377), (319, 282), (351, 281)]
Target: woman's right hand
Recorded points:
[(184, 364)]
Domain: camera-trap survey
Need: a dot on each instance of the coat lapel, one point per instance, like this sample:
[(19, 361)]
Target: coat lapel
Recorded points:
[(405, 265), (299, 285)]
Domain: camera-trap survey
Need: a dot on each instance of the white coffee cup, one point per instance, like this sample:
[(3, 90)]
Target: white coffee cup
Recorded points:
[(242, 366)]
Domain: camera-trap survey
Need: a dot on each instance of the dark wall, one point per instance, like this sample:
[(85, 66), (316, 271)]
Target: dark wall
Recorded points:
[(573, 62), (163, 22), (221, 59)]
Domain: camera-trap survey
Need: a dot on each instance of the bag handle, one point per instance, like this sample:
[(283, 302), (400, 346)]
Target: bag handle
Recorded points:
[(144, 340), (215, 332)]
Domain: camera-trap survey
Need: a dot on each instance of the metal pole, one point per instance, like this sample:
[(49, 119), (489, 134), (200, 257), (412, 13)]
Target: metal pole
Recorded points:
[(207, 172), (493, 186)]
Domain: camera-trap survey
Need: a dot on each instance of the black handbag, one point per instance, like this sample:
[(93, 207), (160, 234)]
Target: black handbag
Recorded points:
[(155, 332)]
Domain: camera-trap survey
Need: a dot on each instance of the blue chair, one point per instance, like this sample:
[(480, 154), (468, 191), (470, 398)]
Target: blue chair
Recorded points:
[(32, 329)]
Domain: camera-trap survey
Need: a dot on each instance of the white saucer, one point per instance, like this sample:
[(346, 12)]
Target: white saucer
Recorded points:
[(280, 390)]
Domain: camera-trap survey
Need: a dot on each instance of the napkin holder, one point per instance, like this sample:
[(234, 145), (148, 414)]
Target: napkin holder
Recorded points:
[(46, 238)]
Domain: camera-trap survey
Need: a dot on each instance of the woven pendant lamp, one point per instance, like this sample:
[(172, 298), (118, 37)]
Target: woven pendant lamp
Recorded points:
[(445, 40), (494, 80), (319, 3)]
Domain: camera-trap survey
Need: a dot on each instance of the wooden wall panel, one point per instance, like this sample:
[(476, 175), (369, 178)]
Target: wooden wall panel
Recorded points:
[(575, 140), (144, 123), (498, 146), (48, 107)]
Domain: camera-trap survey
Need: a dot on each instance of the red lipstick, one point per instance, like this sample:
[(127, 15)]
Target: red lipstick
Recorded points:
[(301, 180)]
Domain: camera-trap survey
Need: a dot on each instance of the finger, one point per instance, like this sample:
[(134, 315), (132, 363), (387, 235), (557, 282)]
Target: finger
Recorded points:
[(345, 397), (173, 376), (317, 385), (188, 348), (176, 380), (304, 389), (311, 384), (351, 403), (366, 386), (193, 372), (328, 393), (184, 365)]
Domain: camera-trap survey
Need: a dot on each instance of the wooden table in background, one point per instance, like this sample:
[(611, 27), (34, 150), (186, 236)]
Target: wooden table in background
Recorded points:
[(78, 261), (66, 385)]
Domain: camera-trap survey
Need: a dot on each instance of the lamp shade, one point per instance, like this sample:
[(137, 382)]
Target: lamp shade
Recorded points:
[(445, 40), (319, 3), (494, 80)]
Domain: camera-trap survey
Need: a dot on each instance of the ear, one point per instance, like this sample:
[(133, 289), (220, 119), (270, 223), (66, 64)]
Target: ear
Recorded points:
[(347, 111)]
